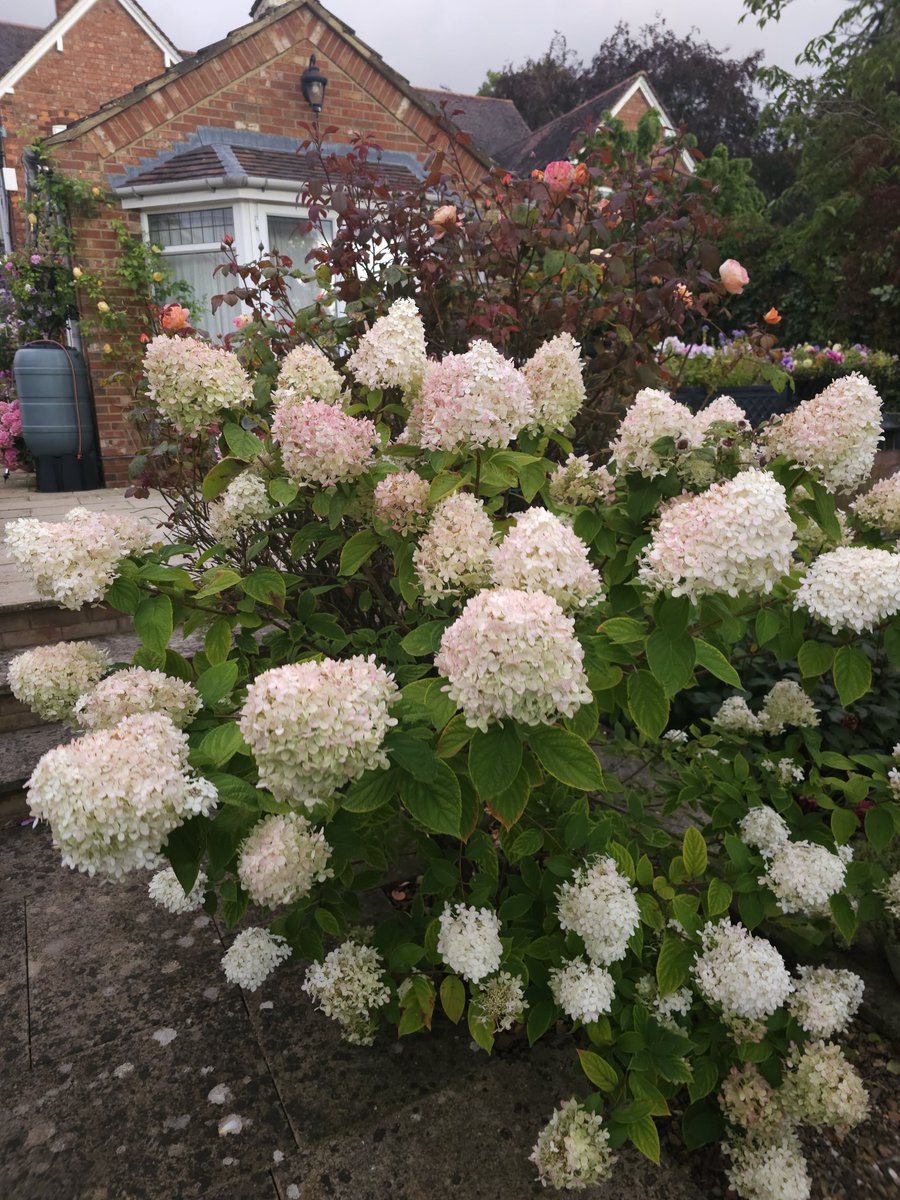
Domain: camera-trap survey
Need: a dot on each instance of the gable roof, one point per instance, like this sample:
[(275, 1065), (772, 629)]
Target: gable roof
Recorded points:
[(14, 41), (493, 123), (48, 38)]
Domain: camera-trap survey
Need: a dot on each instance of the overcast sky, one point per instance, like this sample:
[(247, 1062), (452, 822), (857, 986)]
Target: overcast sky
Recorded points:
[(454, 43)]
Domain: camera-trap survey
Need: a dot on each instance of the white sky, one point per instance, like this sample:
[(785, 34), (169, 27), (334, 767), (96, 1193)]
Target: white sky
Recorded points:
[(453, 43)]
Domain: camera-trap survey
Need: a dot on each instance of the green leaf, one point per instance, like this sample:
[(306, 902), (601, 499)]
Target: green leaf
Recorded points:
[(716, 663), (217, 580), (852, 674), (414, 755), (566, 757), (647, 704), (509, 805), (702, 1123), (240, 442), (495, 758), (718, 897), (527, 843), (218, 477), (327, 921), (643, 1089), (598, 1071), (768, 625), (283, 492), (153, 622), (844, 824), (267, 586), (673, 964), (453, 998), (222, 743), (218, 640), (892, 643), (358, 550), (671, 614), (693, 851), (437, 804), (455, 734), (123, 594), (879, 827), (425, 639), (370, 791), (671, 659), (814, 658), (442, 485), (844, 916), (622, 630), (217, 682), (185, 849), (706, 1077), (540, 1018), (645, 1137)]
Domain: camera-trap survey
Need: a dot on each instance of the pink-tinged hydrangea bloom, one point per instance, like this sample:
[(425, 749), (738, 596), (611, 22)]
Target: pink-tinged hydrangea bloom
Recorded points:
[(309, 374), (315, 726), (879, 507), (835, 435), (825, 1000), (722, 410), (456, 553), (113, 797), (282, 859), (743, 974), (804, 877), (322, 444), (576, 482), (822, 1088), (748, 1100), (73, 562), (10, 430), (193, 383), (513, 654), (243, 504), (50, 679), (572, 1151), (541, 554), (470, 400), (401, 501), (469, 941), (392, 353), (851, 588), (137, 690), (554, 375), (736, 537), (599, 904), (768, 1166), (652, 415), (253, 956), (348, 986)]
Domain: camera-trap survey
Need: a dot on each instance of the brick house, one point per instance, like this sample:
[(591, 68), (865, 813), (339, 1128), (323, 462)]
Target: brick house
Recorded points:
[(94, 50)]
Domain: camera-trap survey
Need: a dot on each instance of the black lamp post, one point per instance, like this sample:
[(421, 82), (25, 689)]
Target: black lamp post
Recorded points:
[(313, 84)]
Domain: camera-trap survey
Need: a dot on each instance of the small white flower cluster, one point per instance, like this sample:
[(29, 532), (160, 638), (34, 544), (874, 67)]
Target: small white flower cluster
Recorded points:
[(50, 679), (582, 990), (749, 1101), (392, 353), (769, 1166), (137, 690), (166, 892), (893, 778), (599, 905), (456, 552), (678, 737), (764, 829), (315, 726), (193, 383), (744, 974), (825, 1000), (469, 941), (879, 507), (667, 1009), (541, 554), (735, 716), (242, 505), (501, 1001), (851, 587), (113, 797), (891, 894), (282, 859), (253, 956), (803, 876), (401, 501), (572, 1151), (735, 537), (73, 562), (348, 986), (785, 704), (822, 1088), (554, 375), (320, 443), (513, 654), (652, 415), (576, 482), (835, 435), (306, 371), (786, 770)]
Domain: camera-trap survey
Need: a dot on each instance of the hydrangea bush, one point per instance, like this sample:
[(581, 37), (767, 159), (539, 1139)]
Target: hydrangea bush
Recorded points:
[(431, 628)]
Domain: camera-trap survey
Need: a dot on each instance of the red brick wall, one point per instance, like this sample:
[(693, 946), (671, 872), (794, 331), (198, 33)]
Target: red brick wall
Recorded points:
[(252, 85), (104, 55), (633, 109)]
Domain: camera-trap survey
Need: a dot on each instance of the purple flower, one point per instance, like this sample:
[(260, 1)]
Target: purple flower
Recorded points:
[(834, 356), (787, 362), (7, 266), (35, 259)]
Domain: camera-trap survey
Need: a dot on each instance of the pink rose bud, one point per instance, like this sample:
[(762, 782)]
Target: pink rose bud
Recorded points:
[(733, 276), (559, 178)]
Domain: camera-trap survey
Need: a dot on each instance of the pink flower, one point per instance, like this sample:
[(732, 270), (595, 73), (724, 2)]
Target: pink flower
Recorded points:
[(242, 320), (559, 178), (446, 217), (175, 318), (35, 259), (733, 276)]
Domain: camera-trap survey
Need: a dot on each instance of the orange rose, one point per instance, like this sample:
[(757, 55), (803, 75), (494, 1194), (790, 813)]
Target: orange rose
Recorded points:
[(175, 318), (772, 317)]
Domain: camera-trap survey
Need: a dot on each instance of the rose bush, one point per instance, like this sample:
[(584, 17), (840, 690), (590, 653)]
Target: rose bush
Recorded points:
[(448, 652)]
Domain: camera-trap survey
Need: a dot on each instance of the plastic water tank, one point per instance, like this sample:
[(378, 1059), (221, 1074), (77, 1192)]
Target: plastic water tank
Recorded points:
[(57, 421)]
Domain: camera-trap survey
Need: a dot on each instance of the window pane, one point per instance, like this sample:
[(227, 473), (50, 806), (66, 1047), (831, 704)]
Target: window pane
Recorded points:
[(286, 238), (196, 269), (197, 228)]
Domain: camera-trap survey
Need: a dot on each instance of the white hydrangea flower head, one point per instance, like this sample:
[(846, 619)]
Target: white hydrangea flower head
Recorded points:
[(320, 443), (469, 941), (891, 894), (736, 537), (166, 892), (822, 1088), (554, 374), (786, 771), (500, 1001), (306, 372), (456, 552), (678, 737), (668, 1009), (50, 679), (243, 504), (282, 859), (835, 435), (764, 830), (735, 716), (541, 554), (770, 1166), (113, 797), (73, 562), (749, 1101), (803, 876), (137, 690), (470, 400), (652, 415), (253, 956), (193, 383), (348, 986), (851, 588), (401, 501), (786, 704), (513, 654), (825, 1000), (599, 905), (572, 1151), (721, 411), (315, 726), (576, 482), (879, 507), (744, 974), (582, 990), (392, 353)]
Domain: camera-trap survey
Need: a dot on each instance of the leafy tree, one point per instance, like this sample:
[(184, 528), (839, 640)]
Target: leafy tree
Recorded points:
[(541, 88)]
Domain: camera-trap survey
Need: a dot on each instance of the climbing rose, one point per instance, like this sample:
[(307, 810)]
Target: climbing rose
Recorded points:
[(392, 353), (192, 383), (560, 178), (308, 374), (137, 690), (174, 318), (320, 443), (50, 679), (554, 375), (456, 552), (651, 416), (541, 554), (851, 587)]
